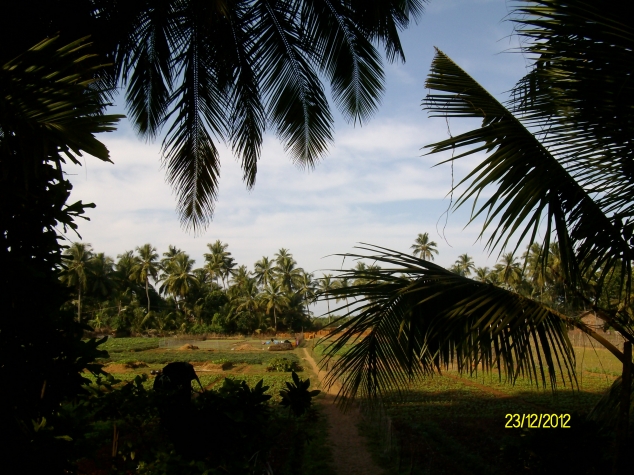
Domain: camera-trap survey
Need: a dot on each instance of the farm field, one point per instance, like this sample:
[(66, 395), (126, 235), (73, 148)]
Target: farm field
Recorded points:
[(237, 359), (455, 424)]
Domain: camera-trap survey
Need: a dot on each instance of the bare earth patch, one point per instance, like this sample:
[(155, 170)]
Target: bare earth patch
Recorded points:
[(188, 347), (124, 367)]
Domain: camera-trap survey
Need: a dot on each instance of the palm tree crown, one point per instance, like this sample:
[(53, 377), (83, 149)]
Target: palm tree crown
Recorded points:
[(424, 248), (146, 265), (77, 261)]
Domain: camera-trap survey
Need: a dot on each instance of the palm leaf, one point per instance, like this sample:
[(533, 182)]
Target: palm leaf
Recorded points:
[(348, 58), (146, 66), (606, 410), (248, 120), (297, 104), (531, 183), (419, 318), (382, 20), (200, 102), (50, 104), (260, 62)]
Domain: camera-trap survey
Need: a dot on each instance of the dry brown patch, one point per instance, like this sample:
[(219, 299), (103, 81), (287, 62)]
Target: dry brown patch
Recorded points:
[(188, 346), (245, 347), (215, 366), (281, 347)]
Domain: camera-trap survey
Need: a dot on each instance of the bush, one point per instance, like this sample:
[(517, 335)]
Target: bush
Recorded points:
[(283, 365)]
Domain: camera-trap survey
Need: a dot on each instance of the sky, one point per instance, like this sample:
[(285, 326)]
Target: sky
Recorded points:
[(376, 185)]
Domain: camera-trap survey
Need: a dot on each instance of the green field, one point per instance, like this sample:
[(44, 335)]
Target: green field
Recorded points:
[(129, 345), (455, 424), (248, 365)]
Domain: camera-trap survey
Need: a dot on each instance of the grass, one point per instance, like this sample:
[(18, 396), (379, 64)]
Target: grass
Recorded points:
[(250, 366), (126, 345), (455, 424), (452, 424), (169, 356)]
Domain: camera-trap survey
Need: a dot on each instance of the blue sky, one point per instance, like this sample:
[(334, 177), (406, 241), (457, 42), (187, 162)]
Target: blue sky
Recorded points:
[(374, 186)]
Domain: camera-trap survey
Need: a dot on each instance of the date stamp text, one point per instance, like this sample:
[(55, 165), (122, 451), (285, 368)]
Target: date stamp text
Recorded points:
[(537, 421)]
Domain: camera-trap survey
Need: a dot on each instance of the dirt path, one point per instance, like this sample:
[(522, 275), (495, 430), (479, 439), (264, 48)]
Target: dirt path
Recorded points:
[(349, 449)]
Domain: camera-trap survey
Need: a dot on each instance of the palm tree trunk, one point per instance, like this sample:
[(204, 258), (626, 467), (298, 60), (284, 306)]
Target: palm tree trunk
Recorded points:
[(329, 316), (79, 303), (275, 319), (147, 294)]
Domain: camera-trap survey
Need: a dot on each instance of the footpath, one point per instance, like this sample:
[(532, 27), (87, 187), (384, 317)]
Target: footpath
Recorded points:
[(349, 449)]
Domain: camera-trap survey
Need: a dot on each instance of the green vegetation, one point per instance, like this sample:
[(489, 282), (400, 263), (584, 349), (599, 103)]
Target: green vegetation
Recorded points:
[(283, 364), (123, 345), (168, 356), (455, 424), (118, 296)]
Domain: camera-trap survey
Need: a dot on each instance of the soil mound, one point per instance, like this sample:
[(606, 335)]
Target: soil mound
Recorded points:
[(245, 347), (124, 367), (281, 347), (188, 346), (215, 366)]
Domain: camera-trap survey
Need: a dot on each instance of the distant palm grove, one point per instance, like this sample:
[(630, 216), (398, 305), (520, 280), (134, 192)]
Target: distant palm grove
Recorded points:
[(143, 291)]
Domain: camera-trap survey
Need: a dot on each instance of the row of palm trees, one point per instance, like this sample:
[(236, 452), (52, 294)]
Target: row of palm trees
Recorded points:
[(143, 290)]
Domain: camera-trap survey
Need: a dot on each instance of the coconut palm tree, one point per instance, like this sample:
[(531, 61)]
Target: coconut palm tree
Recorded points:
[(464, 265), (424, 248), (213, 266), (249, 300), (344, 282), (273, 298), (179, 278), (146, 265), (76, 262), (483, 274), (306, 289), (240, 276), (558, 165), (264, 271), (102, 270), (220, 260), (287, 272), (509, 271), (325, 286)]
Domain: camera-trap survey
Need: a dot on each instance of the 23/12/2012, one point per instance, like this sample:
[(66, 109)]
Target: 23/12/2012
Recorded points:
[(537, 421)]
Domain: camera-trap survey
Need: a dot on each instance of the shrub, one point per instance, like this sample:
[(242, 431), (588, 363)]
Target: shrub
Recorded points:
[(283, 365)]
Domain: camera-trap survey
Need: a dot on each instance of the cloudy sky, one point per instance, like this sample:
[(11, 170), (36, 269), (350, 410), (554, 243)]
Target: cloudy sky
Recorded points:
[(375, 186)]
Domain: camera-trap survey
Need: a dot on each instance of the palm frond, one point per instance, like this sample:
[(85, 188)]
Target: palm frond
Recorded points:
[(382, 20), (248, 120), (47, 104), (190, 155), (146, 66), (348, 58), (606, 410), (411, 318), (531, 184), (262, 61), (296, 101)]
